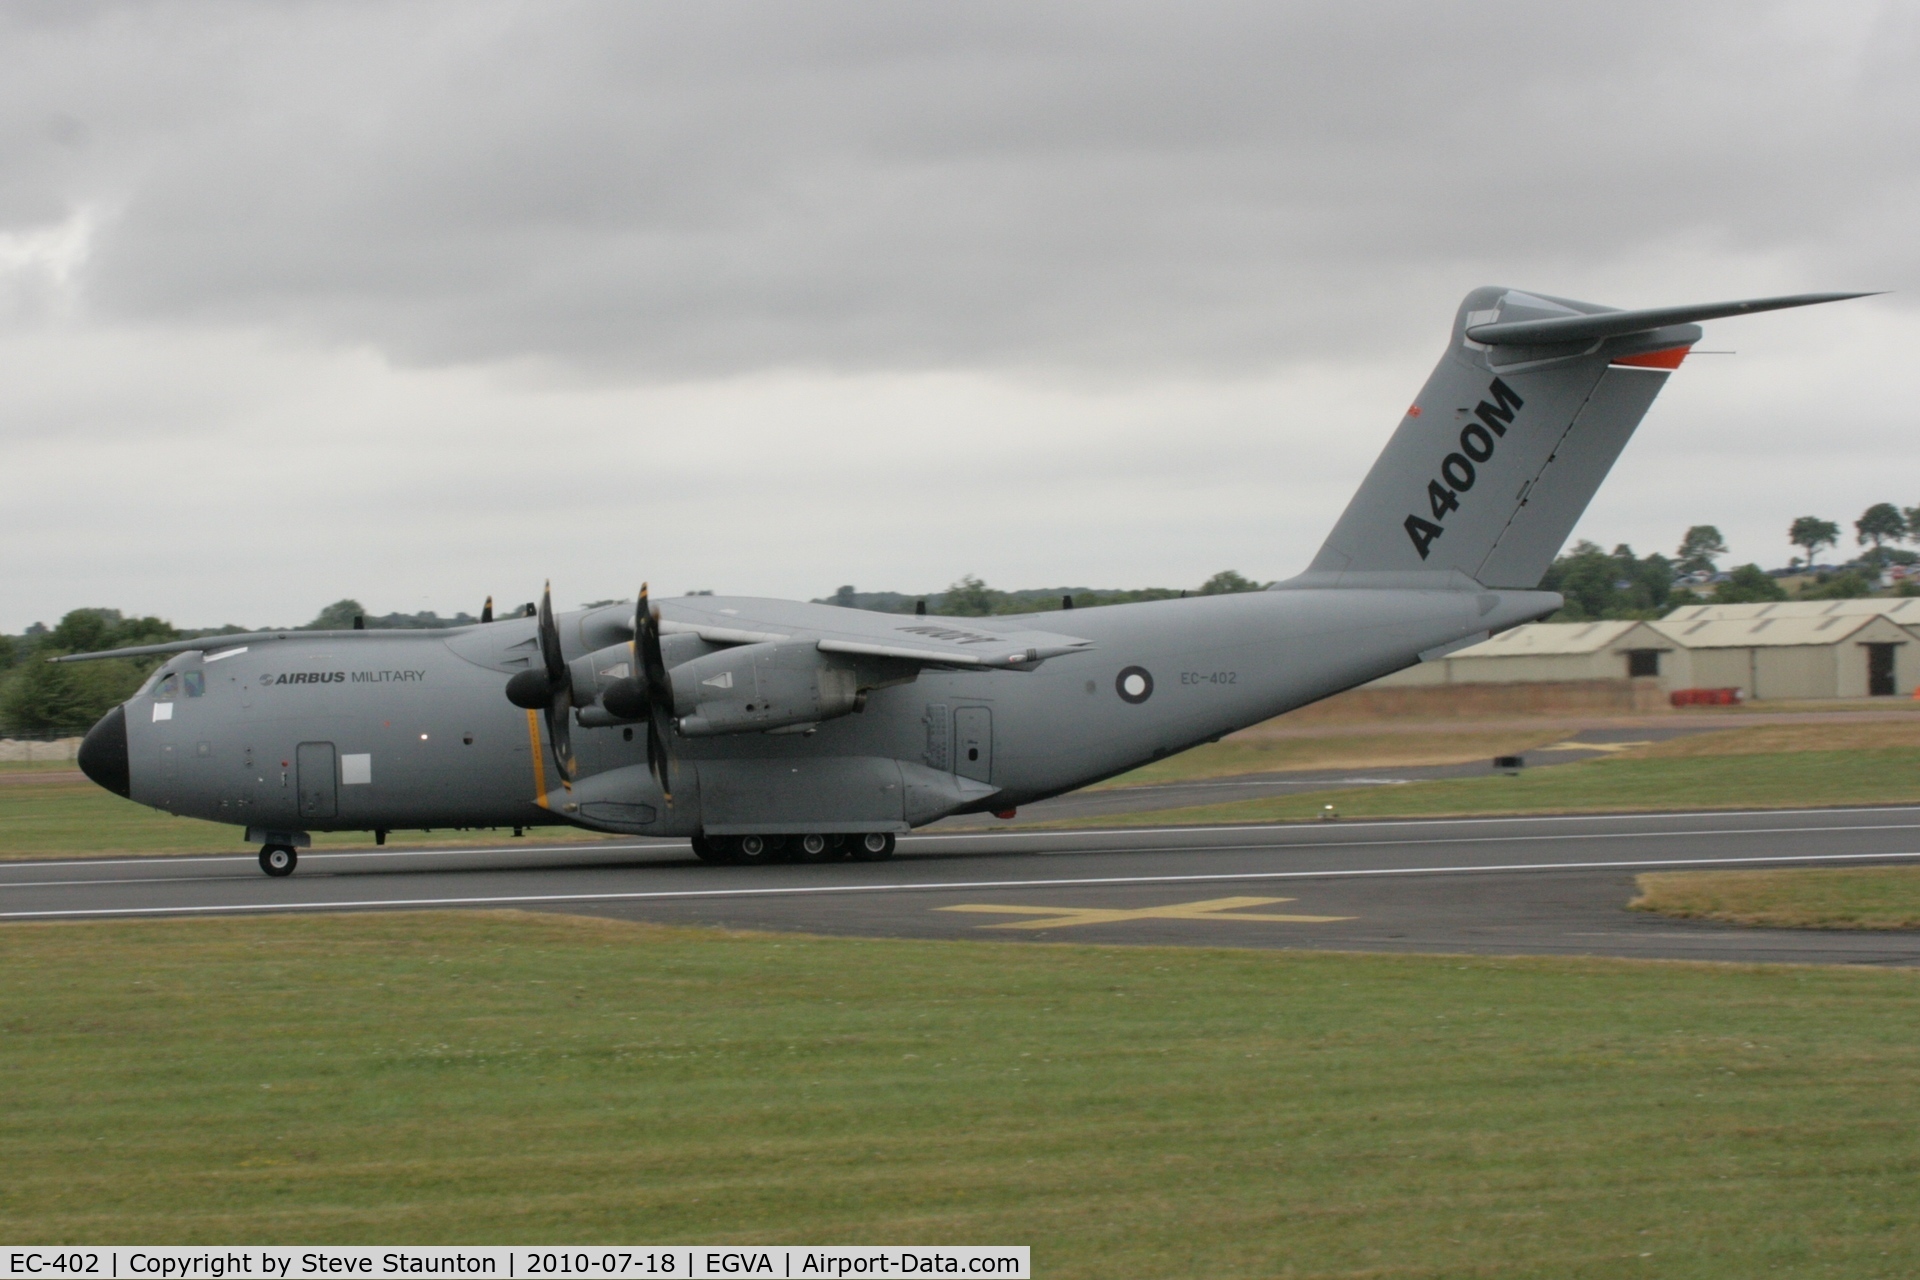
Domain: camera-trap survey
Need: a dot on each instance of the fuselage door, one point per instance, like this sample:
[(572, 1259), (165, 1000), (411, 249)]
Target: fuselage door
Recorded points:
[(973, 743), (317, 779)]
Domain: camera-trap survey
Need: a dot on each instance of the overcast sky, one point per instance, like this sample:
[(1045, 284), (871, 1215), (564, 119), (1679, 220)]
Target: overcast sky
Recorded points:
[(418, 303)]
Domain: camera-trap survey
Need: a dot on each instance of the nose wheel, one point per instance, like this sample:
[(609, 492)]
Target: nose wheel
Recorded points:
[(278, 859)]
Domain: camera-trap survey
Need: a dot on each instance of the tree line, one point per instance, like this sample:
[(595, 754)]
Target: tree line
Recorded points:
[(1878, 525), (970, 597), (1617, 584), (39, 697)]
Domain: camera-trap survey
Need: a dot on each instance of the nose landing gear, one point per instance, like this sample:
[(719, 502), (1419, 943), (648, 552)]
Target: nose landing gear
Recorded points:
[(278, 859)]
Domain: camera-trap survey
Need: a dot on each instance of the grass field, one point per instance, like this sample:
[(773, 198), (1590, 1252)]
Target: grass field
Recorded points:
[(1810, 898), (58, 819), (1383, 750), (1126, 1111), (1762, 767)]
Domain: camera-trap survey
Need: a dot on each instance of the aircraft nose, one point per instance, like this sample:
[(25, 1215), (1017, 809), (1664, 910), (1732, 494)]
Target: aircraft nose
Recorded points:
[(103, 753)]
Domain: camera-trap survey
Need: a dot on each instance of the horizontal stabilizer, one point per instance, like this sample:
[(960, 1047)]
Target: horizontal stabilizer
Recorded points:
[(1614, 324), (1503, 448)]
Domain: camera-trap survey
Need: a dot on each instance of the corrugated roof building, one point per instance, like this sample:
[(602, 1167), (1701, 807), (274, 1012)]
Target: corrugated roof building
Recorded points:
[(1786, 649), (1543, 651), (1904, 610), (1854, 654)]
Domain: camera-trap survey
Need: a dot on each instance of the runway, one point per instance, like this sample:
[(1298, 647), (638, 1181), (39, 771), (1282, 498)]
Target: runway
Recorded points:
[(1482, 886)]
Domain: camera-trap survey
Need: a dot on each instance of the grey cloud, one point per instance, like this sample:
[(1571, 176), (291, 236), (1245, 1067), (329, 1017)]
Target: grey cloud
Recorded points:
[(676, 190)]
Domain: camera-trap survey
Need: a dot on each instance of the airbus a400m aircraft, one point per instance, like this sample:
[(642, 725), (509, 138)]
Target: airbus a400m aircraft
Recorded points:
[(766, 729)]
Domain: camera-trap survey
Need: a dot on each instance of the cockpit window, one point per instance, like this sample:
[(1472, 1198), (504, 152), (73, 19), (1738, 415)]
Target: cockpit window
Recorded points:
[(168, 687), (196, 682)]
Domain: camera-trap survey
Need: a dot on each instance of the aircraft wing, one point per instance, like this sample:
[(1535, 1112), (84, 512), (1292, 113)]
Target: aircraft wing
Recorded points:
[(955, 644), (948, 643), (230, 642)]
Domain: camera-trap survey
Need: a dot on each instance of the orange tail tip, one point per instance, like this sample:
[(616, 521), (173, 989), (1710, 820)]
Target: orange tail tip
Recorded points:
[(1668, 359)]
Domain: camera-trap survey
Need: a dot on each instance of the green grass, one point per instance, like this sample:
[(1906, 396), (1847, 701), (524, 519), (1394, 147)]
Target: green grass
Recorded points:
[(1252, 753), (1806, 779), (1126, 1111), (61, 819), (1801, 898), (1767, 766)]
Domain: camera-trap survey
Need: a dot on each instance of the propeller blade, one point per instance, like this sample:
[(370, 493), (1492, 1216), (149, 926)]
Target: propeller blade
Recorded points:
[(550, 654), (560, 683), (650, 665), (658, 760)]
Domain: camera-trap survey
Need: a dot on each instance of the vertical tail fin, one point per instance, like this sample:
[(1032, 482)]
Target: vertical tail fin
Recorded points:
[(1514, 431)]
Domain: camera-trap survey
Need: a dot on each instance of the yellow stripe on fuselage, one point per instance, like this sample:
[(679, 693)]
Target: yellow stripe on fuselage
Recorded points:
[(539, 762)]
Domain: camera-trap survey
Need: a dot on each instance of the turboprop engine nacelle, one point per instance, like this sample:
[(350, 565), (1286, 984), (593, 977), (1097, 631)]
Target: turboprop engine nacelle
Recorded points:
[(606, 686), (757, 687)]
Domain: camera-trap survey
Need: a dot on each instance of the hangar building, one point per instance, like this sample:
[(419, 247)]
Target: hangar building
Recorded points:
[(1549, 651), (1798, 648), (1786, 649)]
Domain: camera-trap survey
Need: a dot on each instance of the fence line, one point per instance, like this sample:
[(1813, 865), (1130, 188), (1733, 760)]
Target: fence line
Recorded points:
[(17, 747)]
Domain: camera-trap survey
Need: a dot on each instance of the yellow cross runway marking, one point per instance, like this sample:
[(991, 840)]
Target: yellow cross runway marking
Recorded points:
[(1594, 746), (1211, 909)]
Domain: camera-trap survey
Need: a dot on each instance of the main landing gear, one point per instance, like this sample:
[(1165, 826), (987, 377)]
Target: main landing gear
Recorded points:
[(278, 859), (754, 851)]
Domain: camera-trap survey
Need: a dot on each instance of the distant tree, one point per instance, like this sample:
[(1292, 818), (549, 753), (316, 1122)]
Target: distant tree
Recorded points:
[(844, 597), (1912, 516), (337, 616), (1227, 582), (968, 598), (90, 630), (44, 698), (1813, 533), (1748, 584), (1851, 585), (8, 648), (1879, 524), (84, 630), (1700, 548), (1616, 584)]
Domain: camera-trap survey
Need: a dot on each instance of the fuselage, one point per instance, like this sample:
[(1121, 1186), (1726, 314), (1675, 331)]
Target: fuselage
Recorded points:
[(410, 730)]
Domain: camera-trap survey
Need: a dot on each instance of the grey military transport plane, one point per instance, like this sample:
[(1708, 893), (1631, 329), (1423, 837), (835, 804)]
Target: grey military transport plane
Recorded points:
[(767, 729)]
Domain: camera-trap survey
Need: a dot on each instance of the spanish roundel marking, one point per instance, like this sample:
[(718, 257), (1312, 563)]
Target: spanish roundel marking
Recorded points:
[(1134, 684)]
